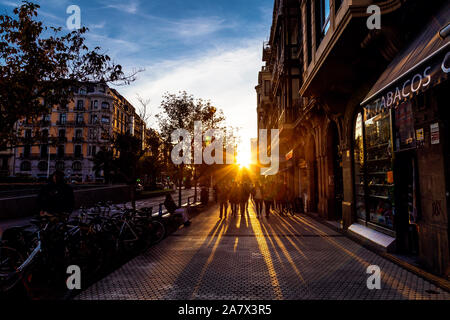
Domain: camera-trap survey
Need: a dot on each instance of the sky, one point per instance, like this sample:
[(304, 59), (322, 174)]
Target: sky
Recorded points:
[(209, 48)]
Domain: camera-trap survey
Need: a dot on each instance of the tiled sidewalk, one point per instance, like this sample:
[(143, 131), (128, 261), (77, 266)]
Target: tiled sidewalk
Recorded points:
[(247, 258)]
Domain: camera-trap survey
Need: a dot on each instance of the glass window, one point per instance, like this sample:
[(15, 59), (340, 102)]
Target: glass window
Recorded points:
[(80, 104), (77, 151), (323, 19), (62, 118), (60, 152), (373, 163), (358, 151)]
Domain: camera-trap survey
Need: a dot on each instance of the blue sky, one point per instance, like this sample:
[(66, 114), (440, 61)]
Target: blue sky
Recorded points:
[(210, 48)]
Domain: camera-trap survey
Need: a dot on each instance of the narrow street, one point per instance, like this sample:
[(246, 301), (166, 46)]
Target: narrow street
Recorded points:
[(247, 258)]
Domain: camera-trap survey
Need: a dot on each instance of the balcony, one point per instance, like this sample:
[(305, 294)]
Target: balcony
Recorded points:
[(71, 123)]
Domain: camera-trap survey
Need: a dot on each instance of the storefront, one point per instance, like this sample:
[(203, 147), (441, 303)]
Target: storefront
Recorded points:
[(400, 150)]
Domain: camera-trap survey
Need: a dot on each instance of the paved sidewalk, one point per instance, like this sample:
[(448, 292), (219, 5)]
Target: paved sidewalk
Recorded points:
[(247, 258)]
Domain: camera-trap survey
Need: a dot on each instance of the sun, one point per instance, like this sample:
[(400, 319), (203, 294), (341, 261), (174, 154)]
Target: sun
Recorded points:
[(243, 158)]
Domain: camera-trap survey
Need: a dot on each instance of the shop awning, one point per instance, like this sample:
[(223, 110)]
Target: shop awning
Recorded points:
[(418, 67)]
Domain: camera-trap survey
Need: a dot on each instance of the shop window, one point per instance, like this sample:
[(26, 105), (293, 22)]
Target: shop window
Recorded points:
[(373, 163), (25, 166)]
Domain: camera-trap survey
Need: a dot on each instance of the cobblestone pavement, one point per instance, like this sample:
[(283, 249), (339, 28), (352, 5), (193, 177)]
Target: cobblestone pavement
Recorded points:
[(258, 259)]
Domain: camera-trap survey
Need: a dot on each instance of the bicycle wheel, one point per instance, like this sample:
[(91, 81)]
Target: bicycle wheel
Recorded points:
[(158, 231), (10, 261)]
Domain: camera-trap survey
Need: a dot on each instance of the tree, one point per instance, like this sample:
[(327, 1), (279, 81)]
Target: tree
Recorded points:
[(104, 162), (181, 111), (39, 67)]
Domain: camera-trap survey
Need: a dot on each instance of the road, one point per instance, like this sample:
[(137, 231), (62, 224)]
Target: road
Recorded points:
[(248, 258)]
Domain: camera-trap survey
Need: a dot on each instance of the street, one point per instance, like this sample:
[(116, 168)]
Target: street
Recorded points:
[(246, 258)]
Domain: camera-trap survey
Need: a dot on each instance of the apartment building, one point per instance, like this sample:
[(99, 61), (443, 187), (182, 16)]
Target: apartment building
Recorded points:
[(363, 127), (69, 136)]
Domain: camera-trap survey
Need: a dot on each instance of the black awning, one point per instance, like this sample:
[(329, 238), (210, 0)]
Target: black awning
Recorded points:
[(428, 52)]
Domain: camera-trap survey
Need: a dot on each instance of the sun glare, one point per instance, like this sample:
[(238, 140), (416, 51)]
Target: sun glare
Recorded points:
[(243, 158)]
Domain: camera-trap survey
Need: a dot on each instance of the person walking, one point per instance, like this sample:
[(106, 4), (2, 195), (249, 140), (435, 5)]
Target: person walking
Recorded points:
[(268, 198), (222, 197), (234, 198), (258, 198)]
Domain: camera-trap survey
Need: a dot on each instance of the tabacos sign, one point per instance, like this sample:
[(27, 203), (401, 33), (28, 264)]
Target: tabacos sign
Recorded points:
[(414, 82)]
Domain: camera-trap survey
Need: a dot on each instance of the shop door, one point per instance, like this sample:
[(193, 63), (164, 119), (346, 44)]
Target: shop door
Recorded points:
[(407, 207)]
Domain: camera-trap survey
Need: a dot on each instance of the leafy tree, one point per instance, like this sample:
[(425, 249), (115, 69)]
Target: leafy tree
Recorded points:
[(104, 162), (180, 111), (39, 66)]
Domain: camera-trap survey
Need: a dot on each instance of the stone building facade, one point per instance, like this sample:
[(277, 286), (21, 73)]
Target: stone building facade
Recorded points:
[(71, 135), (354, 147)]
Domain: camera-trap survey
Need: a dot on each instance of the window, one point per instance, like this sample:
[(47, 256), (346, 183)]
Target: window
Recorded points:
[(91, 134), (26, 151), (80, 118), (44, 151), (94, 119), (79, 134), (77, 151), (28, 134), (80, 105), (322, 19), (62, 133), (82, 90), (373, 163), (25, 166), (76, 166), (44, 135), (60, 152), (105, 119), (43, 166), (92, 150), (95, 104), (62, 118), (105, 105), (60, 165), (309, 31)]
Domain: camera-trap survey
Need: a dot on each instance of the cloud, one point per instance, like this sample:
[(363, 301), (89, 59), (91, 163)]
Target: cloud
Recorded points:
[(226, 76), (196, 27), (130, 7)]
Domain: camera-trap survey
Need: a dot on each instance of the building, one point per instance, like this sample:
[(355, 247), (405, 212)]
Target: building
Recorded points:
[(363, 127), (69, 136)]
